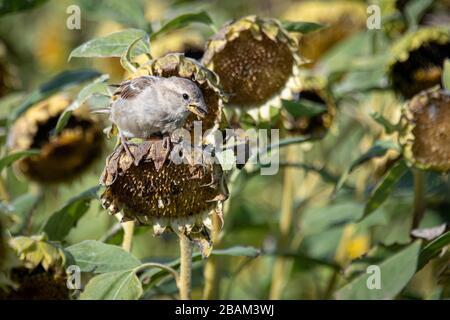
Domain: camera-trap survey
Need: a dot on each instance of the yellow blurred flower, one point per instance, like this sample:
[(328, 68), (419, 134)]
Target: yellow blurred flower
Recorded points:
[(353, 245)]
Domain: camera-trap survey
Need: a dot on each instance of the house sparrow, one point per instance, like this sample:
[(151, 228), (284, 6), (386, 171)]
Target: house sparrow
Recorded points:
[(154, 106)]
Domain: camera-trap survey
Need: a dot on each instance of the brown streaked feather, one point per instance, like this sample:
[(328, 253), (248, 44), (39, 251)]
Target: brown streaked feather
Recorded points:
[(131, 88)]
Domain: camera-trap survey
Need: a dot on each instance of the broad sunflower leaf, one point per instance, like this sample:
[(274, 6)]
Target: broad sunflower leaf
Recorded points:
[(118, 285), (98, 257), (183, 21), (394, 274)]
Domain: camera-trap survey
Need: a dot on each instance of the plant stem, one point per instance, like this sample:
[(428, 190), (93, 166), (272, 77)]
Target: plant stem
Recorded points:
[(128, 230), (281, 264), (184, 283), (419, 197), (211, 273)]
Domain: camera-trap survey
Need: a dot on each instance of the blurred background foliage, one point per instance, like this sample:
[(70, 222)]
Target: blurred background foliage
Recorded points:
[(328, 242)]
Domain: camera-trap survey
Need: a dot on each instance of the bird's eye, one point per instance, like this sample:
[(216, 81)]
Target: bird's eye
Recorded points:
[(185, 96)]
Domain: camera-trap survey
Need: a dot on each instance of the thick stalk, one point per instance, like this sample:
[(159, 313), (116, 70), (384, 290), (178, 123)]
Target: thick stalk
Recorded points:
[(281, 264), (419, 197), (184, 283), (128, 230), (212, 266)]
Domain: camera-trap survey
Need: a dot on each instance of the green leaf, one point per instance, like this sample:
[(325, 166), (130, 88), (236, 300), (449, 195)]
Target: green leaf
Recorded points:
[(238, 251), (446, 75), (9, 159), (113, 45), (304, 108), (98, 257), (22, 208), (414, 10), (302, 27), (119, 285), (60, 82), (395, 273), (98, 86), (385, 187), (128, 13), (58, 226), (8, 6), (433, 248), (379, 149), (183, 21), (388, 126)]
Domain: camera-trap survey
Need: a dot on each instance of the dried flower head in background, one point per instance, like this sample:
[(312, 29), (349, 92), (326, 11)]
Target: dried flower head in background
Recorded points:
[(425, 136), (342, 18), (164, 187), (319, 111), (8, 73), (418, 59), (256, 61), (64, 156), (41, 275)]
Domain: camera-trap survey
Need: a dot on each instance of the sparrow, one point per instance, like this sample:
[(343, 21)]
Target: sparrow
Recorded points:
[(150, 106)]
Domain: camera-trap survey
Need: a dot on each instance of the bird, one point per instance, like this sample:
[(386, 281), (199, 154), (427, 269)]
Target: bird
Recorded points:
[(149, 106)]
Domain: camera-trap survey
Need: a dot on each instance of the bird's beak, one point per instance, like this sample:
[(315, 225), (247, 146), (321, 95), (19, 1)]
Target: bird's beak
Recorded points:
[(198, 110)]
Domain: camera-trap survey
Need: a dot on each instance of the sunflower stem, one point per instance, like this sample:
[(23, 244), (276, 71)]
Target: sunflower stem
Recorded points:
[(128, 230), (184, 283), (419, 197), (281, 263), (212, 267)]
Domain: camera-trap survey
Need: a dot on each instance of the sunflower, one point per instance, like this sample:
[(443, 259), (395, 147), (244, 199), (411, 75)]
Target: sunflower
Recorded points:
[(417, 60), (64, 156), (165, 187), (257, 62), (425, 135)]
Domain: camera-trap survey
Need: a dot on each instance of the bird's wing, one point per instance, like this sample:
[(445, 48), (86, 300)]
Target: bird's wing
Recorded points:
[(131, 88)]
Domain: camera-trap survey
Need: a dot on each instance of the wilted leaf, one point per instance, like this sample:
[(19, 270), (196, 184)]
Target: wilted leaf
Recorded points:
[(304, 108), (98, 257), (385, 187), (60, 82), (62, 221), (302, 27), (8, 6), (98, 86), (36, 250), (113, 45), (119, 285), (395, 273), (183, 21), (12, 157)]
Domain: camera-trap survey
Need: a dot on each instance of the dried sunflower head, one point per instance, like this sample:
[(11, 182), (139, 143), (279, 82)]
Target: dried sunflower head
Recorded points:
[(42, 274), (256, 61), (425, 136), (343, 19), (321, 109), (164, 186), (176, 64), (417, 60), (63, 156)]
